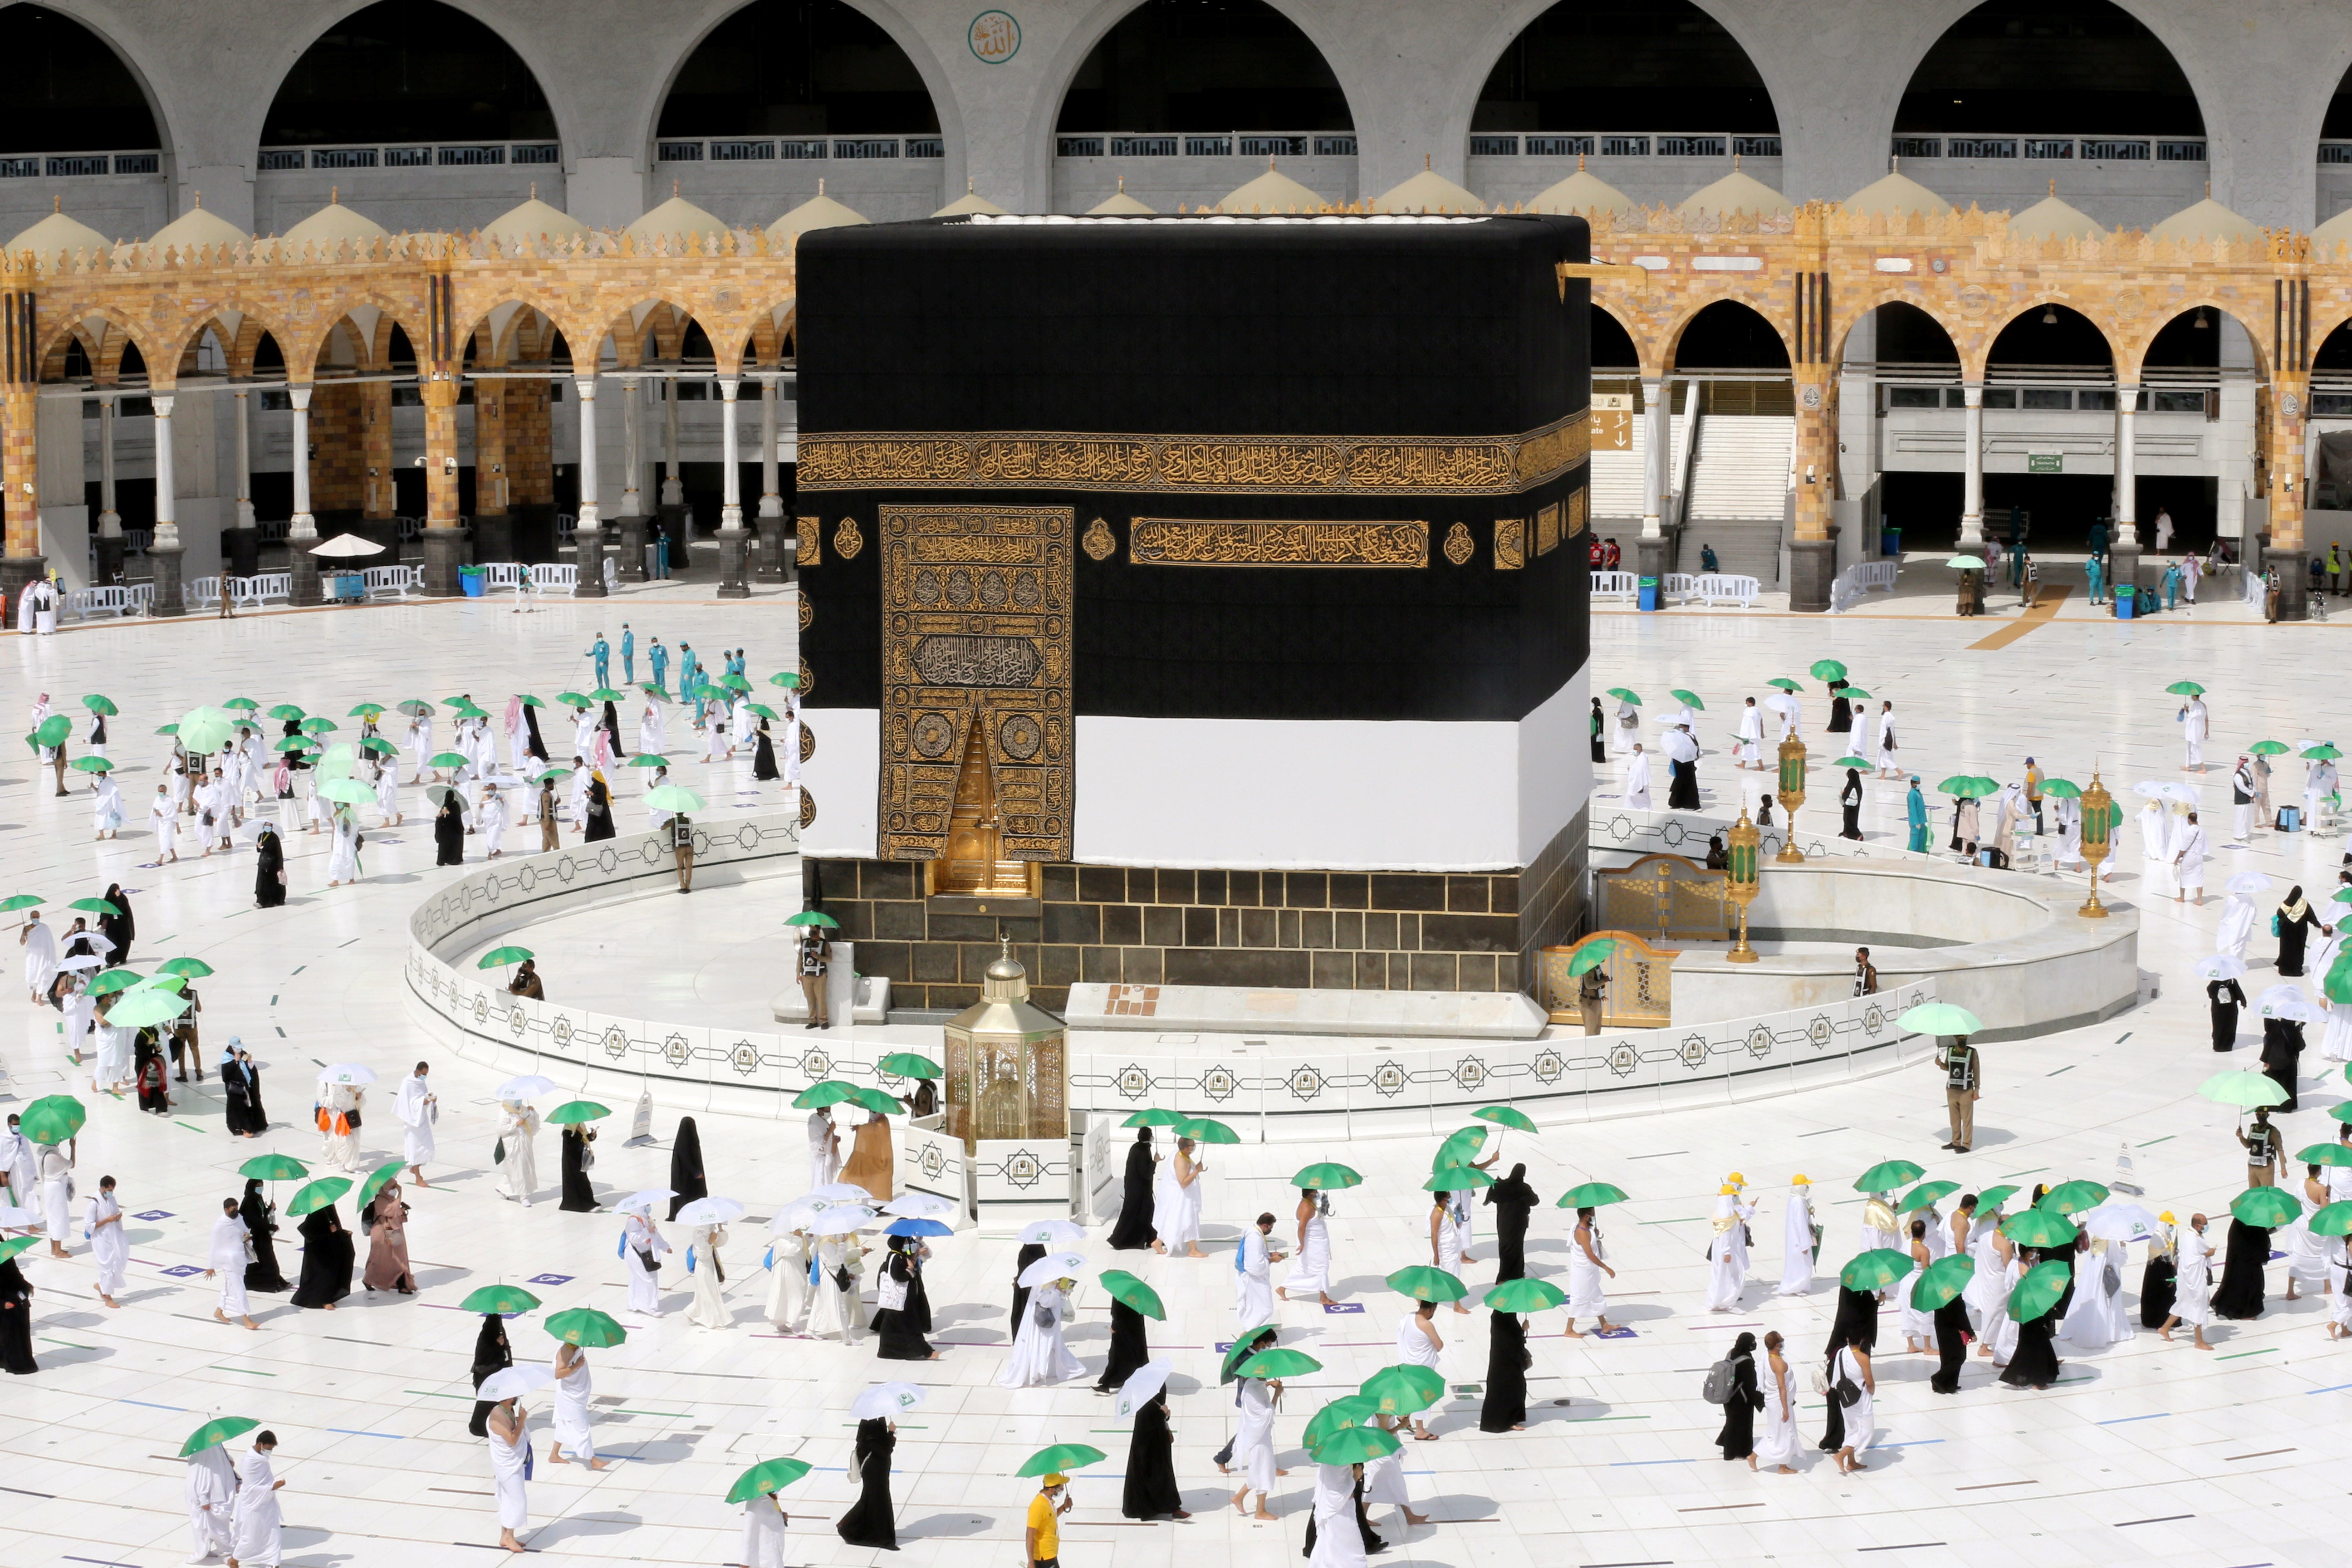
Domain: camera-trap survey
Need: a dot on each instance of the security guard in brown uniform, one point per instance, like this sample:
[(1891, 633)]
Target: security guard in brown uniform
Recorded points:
[(1963, 1070)]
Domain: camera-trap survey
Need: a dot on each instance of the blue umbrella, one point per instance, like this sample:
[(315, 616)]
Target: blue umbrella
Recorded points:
[(916, 1227)]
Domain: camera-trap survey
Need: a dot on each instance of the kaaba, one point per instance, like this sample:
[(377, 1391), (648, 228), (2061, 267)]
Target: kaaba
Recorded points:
[(1196, 600)]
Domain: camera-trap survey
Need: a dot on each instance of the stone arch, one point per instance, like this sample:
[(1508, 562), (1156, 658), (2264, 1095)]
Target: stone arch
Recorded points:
[(2157, 110), (526, 332), (106, 362), (238, 344), (1740, 98), (2131, 350), (1143, 20), (1976, 356), (25, 98), (1756, 301), (297, 48), (1847, 316), (371, 340)]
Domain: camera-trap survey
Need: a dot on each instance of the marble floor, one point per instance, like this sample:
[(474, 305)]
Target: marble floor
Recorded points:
[(2146, 1452)]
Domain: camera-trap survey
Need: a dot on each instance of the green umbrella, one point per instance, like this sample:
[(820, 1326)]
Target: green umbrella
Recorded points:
[(1827, 669), (1124, 1287), (1456, 1179), (212, 1433), (364, 710), (2068, 1199), (1941, 1280), (874, 1099), (2326, 1155), (274, 1168), (1687, 698), (1058, 1458), (1875, 1269), (1623, 695), (736, 683), (1970, 787), (346, 792), (499, 957), (16, 901), (2186, 689), (2321, 754), (586, 1326), (1591, 957), (1154, 1117), (909, 1064), (90, 766), (1207, 1130), (51, 731), (375, 1181), (1991, 1198), (115, 980), (144, 1008), (1966, 563), (2039, 1227), (1405, 1390), (2266, 1206), (1279, 1362), (2038, 1291), (320, 725), (572, 698), (318, 1194), (1239, 1351), (1887, 1175), (766, 1475), (2267, 748), (287, 710), (2062, 789), (193, 968), (16, 1244), (174, 983), (1355, 1445), (167, 729), (1939, 1018), (379, 745), (1925, 1194), (292, 743), (1424, 1283), (1459, 1148), (1328, 1177), (94, 907), (2337, 985), (499, 1299), (2242, 1090), (528, 701), (1524, 1295), (788, 680), (241, 705), (819, 918), (1856, 694), (2335, 1219), (648, 760), (2341, 1110), (674, 797), (762, 709), (1348, 1410), (1506, 1116), (606, 694), (1592, 1196), (448, 760), (1851, 762), (53, 1119), (573, 1112), (551, 773), (826, 1092)]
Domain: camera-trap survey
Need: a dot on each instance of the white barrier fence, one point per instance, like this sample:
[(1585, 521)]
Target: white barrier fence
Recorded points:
[(1708, 588), (1615, 585), (1862, 577)]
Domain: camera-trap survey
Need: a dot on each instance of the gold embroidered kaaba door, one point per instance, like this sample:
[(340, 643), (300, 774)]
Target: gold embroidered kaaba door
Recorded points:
[(976, 648)]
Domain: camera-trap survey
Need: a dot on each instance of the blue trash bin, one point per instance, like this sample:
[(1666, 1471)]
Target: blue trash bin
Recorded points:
[(2125, 597), (1890, 542), (471, 581), (1649, 594)]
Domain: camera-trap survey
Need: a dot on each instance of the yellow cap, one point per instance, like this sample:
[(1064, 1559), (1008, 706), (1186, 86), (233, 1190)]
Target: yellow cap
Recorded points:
[(2166, 1216), (1800, 1180), (1057, 1479), (1726, 1191), (1735, 1179)]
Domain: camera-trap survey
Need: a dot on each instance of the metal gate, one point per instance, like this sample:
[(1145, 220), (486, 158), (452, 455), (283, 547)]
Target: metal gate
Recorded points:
[(1640, 993), (1665, 896)]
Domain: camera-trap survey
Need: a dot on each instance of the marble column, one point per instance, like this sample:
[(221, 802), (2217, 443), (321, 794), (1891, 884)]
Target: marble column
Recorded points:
[(302, 529), (109, 521), (1650, 552), (588, 532), (734, 538), (164, 552), (1972, 459), (771, 502), (633, 530), (241, 541)]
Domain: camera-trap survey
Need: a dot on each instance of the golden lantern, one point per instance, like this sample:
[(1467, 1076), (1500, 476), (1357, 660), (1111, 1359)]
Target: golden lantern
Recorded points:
[(1792, 796), (1742, 878), (2098, 840), (1007, 1064)]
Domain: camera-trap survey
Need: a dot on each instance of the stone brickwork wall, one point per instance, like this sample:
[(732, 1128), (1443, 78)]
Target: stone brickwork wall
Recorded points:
[(338, 474)]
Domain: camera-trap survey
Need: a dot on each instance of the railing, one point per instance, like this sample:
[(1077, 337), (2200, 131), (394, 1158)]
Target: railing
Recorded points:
[(1623, 144), (1207, 144), (1862, 577), (468, 154), (69, 165), (2086, 149), (766, 149), (394, 581), (1615, 585)]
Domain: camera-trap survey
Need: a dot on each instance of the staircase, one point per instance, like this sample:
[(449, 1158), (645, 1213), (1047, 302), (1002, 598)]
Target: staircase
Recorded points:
[(1617, 482), (1740, 494)]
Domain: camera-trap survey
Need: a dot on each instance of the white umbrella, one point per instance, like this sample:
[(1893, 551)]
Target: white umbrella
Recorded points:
[(646, 1199), (1059, 1233), (346, 544), (2112, 1221), (2247, 882), (1778, 702), (711, 1210), (919, 1205), (1680, 746), (841, 1219), (348, 1073), (12, 1218), (1054, 1266), (82, 961), (1141, 1386), (797, 1214), (2148, 788), (843, 1193), (512, 1382), (2220, 966), (886, 1399), (529, 1086), (2285, 1002)]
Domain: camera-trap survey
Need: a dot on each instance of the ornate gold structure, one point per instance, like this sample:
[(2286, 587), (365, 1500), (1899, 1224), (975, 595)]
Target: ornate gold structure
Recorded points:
[(1171, 541), (1007, 1063), (1661, 896), (1641, 989), (1743, 847), (2097, 808), (1792, 796)]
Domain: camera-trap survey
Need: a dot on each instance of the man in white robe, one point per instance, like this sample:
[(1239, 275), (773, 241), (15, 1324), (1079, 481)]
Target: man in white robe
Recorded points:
[(763, 1532), (418, 1109), (1727, 1253), (2192, 1298), (257, 1531), (40, 945), (1798, 1239), (108, 1248), (494, 822), (1253, 1444), (2188, 846), (1749, 748), (163, 817), (2193, 724), (211, 1490), (2155, 846), (1637, 780), (20, 1166), (1253, 1273), (225, 1260), (825, 1149), (641, 1249)]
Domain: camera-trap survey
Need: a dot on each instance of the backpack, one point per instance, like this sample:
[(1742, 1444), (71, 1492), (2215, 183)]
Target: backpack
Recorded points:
[(1717, 1389)]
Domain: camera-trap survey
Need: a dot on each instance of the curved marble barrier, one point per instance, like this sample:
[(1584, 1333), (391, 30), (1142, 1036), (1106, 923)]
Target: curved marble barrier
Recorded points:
[(1284, 1088)]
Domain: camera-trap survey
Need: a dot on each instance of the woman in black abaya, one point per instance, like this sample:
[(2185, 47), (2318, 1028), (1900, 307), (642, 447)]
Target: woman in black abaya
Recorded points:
[(491, 1353), (1856, 1324), (2295, 924), (449, 833), (686, 1167), (579, 1193), (873, 1521), (241, 1077), (1506, 1409), (1737, 1439), (901, 1330), (326, 1255), (117, 928), (1952, 1335), (268, 871), (16, 1320), (260, 1219), (1133, 1231), (2282, 1053), (2159, 1285), (1512, 1200), (2034, 1362), (600, 811), (1128, 1347), (1151, 1490), (535, 747), (763, 755), (2240, 1293), (611, 724)]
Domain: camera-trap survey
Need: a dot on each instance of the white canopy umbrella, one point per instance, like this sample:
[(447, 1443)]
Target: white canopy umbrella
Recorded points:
[(2220, 966), (713, 1210), (2248, 882), (1053, 1233), (529, 1086), (347, 544), (841, 1219), (2286, 1002), (1141, 1386), (1055, 1266), (2112, 1221), (644, 1199), (351, 1074), (920, 1205), (886, 1399), (511, 1381)]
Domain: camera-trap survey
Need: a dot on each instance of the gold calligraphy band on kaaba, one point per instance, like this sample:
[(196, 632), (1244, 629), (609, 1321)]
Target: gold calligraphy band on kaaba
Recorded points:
[(1198, 465), (1174, 541)]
